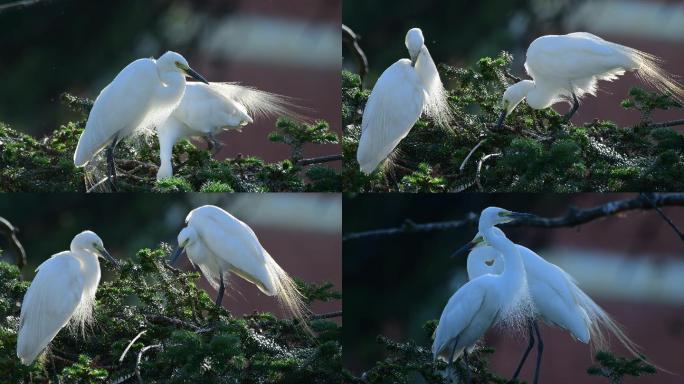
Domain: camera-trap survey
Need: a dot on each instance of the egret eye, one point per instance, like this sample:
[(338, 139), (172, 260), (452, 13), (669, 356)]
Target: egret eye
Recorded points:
[(489, 262)]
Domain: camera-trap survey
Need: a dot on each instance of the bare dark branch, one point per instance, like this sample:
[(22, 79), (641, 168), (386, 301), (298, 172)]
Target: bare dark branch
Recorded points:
[(328, 315), (666, 124), (10, 232), (351, 39), (319, 160), (573, 217)]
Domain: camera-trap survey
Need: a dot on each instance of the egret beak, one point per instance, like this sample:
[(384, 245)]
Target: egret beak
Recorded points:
[(176, 254), (103, 252), (468, 247), (192, 73), (413, 60), (518, 216), (502, 117)]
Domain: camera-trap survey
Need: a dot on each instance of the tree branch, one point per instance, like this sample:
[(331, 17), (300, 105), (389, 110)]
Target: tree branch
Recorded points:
[(351, 39), (573, 217), (140, 354), (328, 315), (666, 124), (318, 160), (7, 229)]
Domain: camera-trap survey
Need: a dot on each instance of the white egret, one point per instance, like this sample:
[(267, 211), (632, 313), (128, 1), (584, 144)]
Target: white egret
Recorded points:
[(63, 291), (220, 244), (483, 301), (556, 298), (403, 92), (208, 109), (141, 96), (568, 67)]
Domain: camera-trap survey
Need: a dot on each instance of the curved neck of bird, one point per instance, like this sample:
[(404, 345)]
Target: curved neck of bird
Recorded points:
[(172, 88), (513, 273), (90, 266)]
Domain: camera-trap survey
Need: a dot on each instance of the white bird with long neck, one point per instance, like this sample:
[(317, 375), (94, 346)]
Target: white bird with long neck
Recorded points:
[(568, 67), (207, 109), (220, 244), (63, 291), (485, 300), (556, 298), (140, 97), (404, 91)]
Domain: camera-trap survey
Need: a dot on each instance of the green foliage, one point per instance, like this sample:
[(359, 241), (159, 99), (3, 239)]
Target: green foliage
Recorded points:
[(187, 339), (405, 362), (534, 151), (46, 165), (615, 368)]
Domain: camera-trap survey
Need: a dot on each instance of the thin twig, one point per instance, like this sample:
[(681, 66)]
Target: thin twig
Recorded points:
[(130, 344), (662, 214), (460, 169), (328, 315), (140, 354), (573, 217), (479, 167), (318, 160)]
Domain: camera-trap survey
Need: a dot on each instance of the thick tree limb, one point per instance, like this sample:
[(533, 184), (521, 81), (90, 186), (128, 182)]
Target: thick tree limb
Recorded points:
[(573, 217), (10, 232), (666, 124)]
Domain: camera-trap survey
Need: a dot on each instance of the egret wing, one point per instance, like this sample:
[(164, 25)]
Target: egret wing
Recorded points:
[(49, 303), (574, 57), (204, 110), (393, 107), (119, 109), (234, 242), (462, 310)]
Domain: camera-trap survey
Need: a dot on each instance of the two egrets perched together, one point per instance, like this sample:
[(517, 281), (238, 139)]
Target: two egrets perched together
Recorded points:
[(63, 290), (511, 282), (151, 94), (562, 68)]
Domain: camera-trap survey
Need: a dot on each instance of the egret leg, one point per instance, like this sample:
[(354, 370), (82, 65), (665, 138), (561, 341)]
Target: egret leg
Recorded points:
[(540, 349), (222, 288), (575, 107), (451, 358), (111, 166), (467, 366), (212, 144), (527, 351)]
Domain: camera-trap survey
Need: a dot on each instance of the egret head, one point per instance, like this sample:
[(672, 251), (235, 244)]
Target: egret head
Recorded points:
[(512, 97), (89, 241), (187, 236), (492, 216), (172, 61), (414, 43)]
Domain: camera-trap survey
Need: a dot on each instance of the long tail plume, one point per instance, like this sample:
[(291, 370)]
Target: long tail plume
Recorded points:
[(650, 71), (288, 294), (261, 103)]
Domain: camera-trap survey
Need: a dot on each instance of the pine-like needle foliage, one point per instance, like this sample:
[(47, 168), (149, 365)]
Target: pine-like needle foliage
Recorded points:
[(186, 338), (46, 165), (535, 150)]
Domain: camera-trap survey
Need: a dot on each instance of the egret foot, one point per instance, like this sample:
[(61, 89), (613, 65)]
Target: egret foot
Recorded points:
[(527, 351), (575, 107), (222, 288)]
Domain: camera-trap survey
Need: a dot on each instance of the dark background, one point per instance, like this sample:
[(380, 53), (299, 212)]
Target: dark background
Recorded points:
[(461, 32), (394, 284), (305, 242), (78, 46)]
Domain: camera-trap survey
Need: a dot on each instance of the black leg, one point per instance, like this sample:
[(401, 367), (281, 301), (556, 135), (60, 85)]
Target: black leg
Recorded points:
[(111, 166), (213, 145), (450, 367), (219, 298), (540, 349), (575, 107), (527, 351), (467, 366)]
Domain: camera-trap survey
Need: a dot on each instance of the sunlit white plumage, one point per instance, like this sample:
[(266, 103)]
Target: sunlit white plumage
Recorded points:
[(208, 109), (565, 65), (485, 300), (141, 96), (62, 291), (555, 295), (220, 244), (403, 92)]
